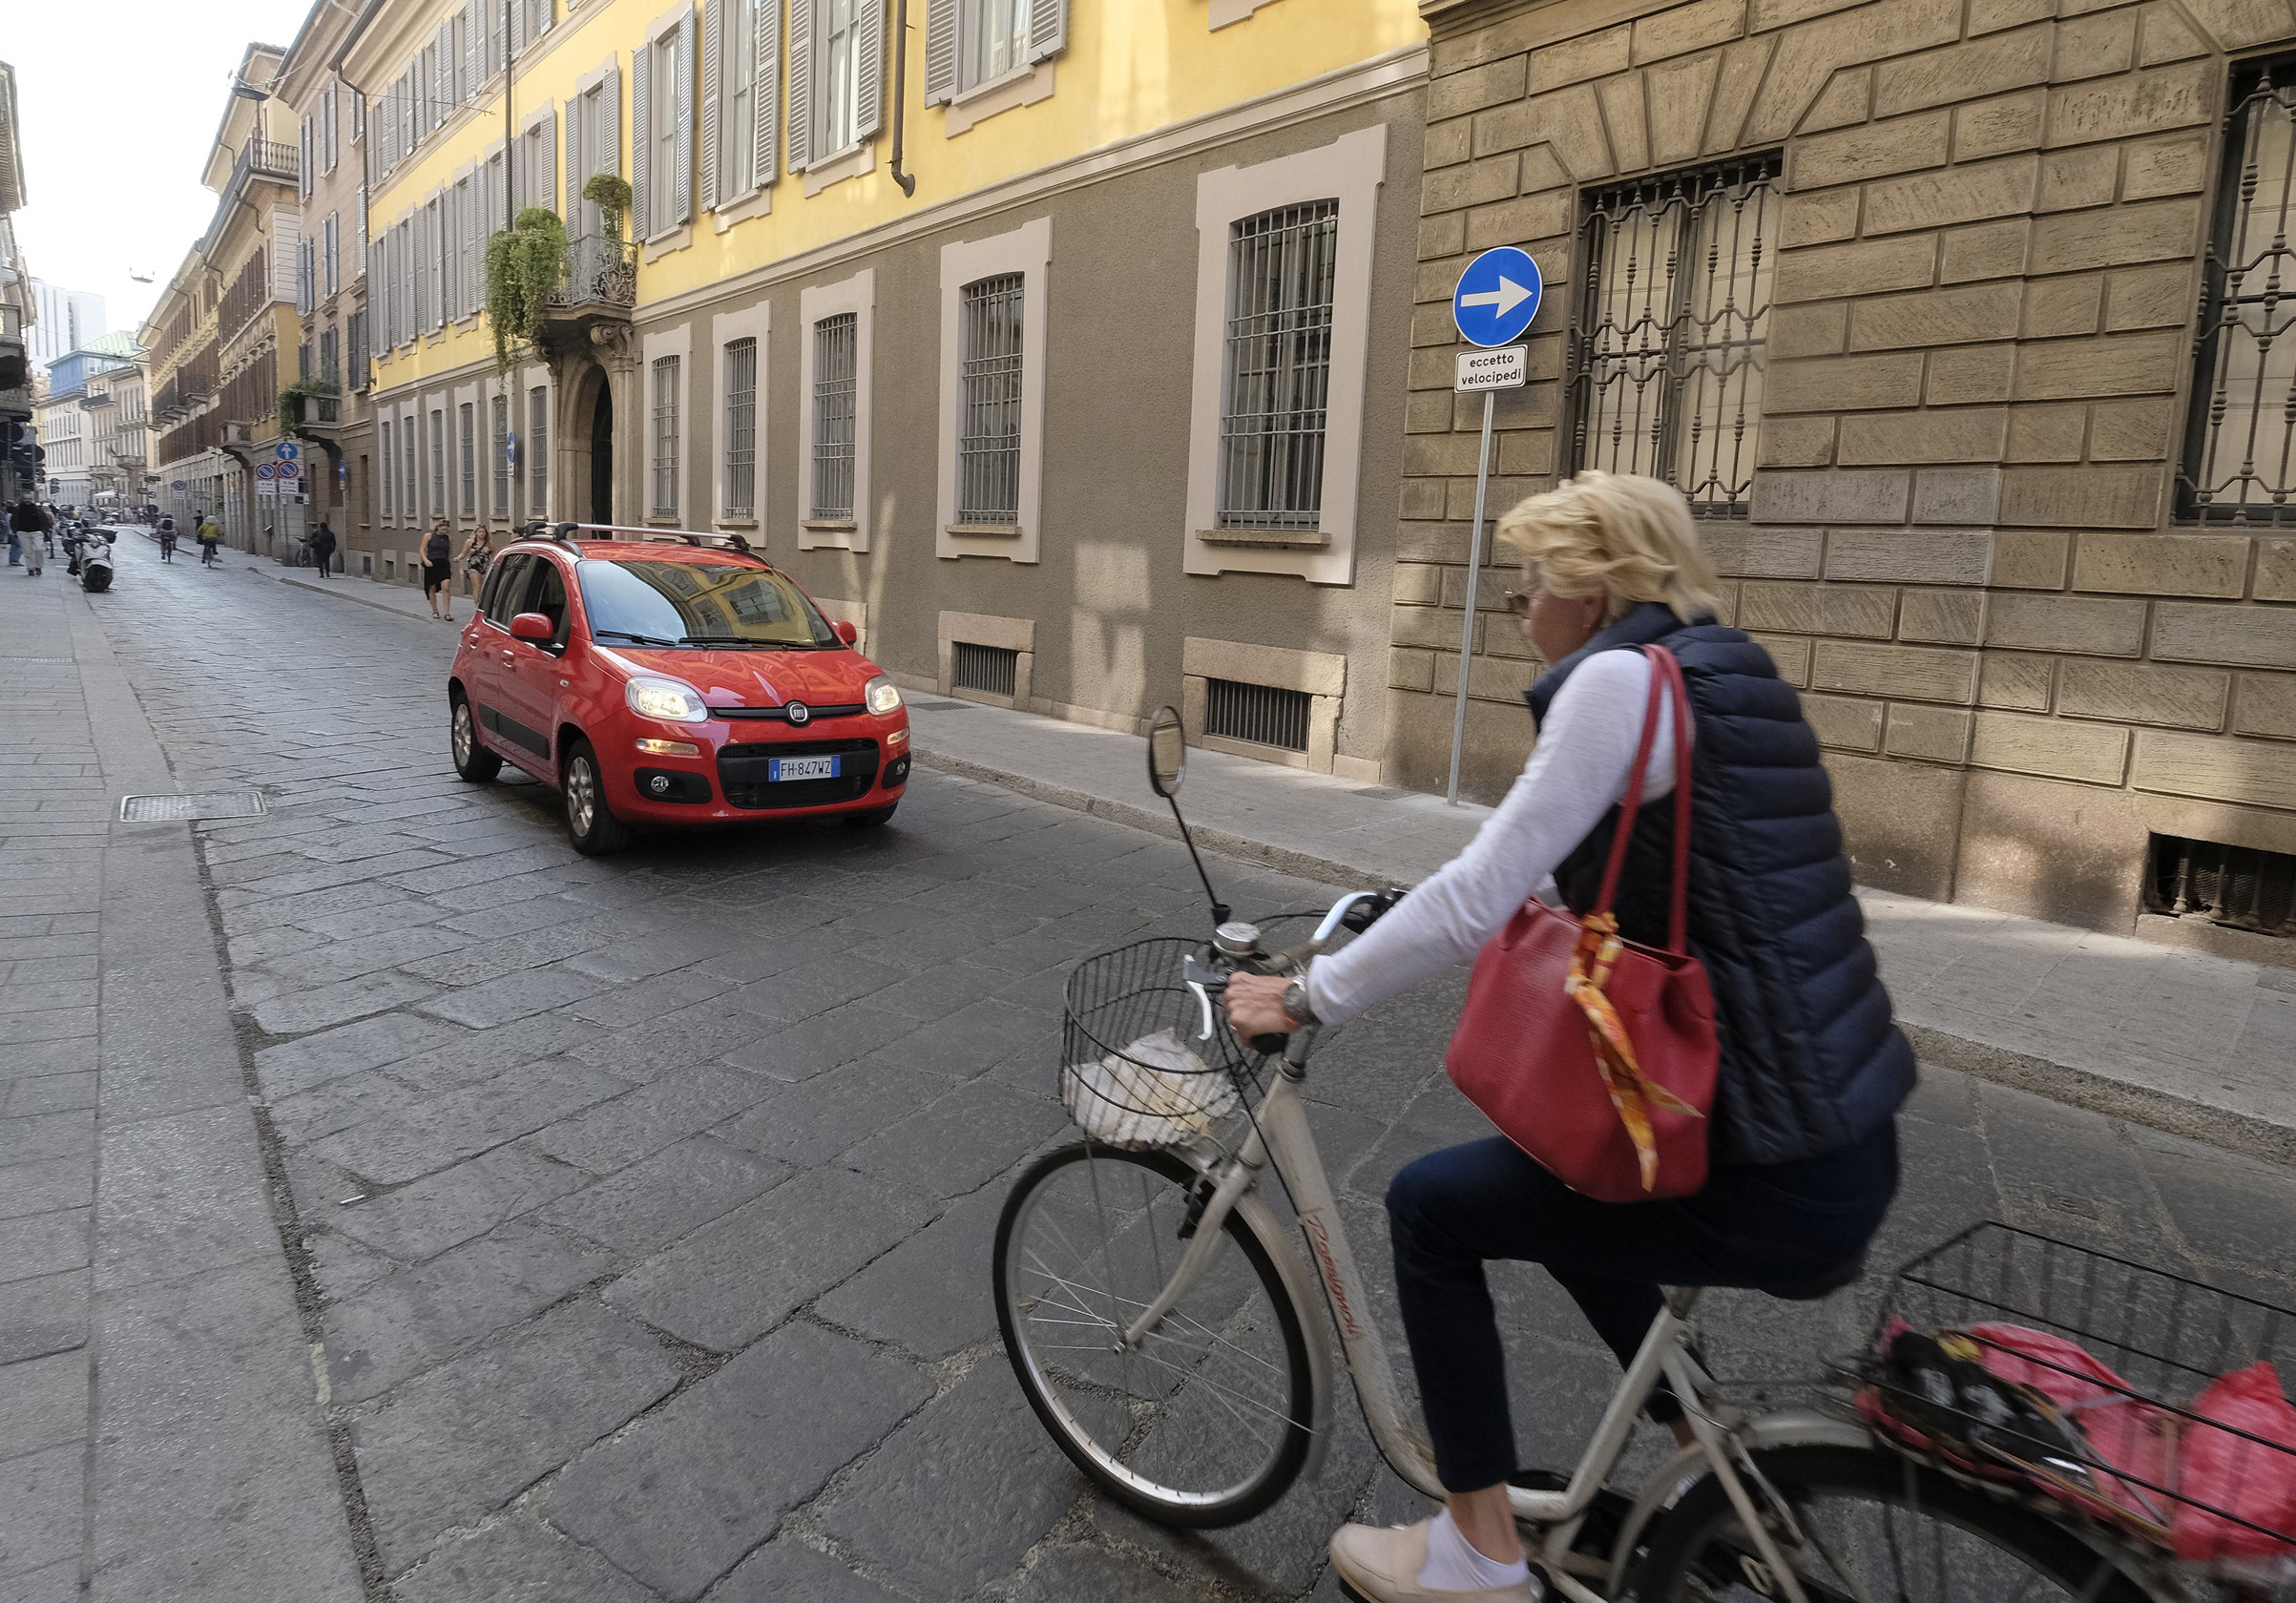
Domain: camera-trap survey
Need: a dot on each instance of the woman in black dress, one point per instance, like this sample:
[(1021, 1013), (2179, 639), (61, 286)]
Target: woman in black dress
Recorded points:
[(438, 569)]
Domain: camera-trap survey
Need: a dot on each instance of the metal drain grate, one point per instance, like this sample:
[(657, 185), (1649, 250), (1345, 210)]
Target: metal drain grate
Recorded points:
[(994, 670), (1261, 714), (2239, 886), (199, 804)]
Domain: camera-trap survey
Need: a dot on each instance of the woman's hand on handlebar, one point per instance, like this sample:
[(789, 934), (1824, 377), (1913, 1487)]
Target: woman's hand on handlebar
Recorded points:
[(1254, 1004)]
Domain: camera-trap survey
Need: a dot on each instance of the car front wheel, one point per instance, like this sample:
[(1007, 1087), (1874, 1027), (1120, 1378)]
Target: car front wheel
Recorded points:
[(472, 760), (590, 823)]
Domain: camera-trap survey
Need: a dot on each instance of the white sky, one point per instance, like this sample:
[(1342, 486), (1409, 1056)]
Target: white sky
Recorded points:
[(120, 99)]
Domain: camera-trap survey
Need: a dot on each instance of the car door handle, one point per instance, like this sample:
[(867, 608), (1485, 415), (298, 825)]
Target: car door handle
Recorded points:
[(509, 659)]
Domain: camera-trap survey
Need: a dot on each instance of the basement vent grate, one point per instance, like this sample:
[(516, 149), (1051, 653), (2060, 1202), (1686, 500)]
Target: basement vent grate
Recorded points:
[(1259, 713), (2239, 886), (199, 804), (991, 670)]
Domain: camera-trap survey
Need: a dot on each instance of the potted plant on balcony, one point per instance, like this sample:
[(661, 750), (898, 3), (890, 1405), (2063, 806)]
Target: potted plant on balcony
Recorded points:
[(610, 194), (294, 403), (523, 263)]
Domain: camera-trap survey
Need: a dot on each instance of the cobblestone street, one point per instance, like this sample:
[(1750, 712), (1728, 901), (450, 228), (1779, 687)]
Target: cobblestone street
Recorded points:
[(642, 1204)]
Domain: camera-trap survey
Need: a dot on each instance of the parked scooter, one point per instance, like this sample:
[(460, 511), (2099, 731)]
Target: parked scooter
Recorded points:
[(95, 561)]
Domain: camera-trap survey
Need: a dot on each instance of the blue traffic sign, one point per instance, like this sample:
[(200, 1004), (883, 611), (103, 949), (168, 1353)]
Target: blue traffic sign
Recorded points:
[(288, 451), (1498, 297)]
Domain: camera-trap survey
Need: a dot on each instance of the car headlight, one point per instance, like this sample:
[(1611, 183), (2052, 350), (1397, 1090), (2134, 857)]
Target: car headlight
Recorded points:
[(667, 700), (882, 696)]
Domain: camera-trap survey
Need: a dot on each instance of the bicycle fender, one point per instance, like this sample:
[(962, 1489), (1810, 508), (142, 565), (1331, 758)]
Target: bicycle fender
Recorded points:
[(1307, 1299), (1788, 1427)]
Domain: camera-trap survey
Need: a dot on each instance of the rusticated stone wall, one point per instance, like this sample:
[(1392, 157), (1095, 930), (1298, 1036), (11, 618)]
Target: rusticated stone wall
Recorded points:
[(1963, 542)]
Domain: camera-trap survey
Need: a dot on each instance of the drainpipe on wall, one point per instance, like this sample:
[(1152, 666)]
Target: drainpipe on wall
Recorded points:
[(906, 180)]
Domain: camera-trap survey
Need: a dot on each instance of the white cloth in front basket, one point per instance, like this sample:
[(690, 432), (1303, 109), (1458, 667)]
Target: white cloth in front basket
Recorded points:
[(1156, 1092)]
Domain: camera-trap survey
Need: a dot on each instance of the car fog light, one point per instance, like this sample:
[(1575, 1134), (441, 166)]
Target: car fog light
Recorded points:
[(669, 749)]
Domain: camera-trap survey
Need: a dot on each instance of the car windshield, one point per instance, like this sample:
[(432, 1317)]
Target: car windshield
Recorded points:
[(707, 604)]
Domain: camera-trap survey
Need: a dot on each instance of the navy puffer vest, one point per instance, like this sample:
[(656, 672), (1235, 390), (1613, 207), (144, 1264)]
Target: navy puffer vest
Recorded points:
[(1811, 1059)]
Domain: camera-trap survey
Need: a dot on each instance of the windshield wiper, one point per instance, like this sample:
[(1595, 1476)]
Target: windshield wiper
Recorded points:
[(748, 640), (638, 640)]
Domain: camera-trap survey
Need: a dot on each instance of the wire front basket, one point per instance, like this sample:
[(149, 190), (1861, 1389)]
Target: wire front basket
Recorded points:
[(1137, 1069), (2122, 1393)]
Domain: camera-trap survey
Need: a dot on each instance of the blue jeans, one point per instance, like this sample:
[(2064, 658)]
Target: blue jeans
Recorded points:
[(1767, 1228)]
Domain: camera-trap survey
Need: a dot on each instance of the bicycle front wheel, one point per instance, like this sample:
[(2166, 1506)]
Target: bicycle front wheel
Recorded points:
[(1203, 1421), (1872, 1525)]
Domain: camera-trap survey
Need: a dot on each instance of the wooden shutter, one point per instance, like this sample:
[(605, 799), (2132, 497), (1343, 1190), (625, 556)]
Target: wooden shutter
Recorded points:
[(577, 163), (713, 63), (1048, 27), (606, 136), (868, 47), (517, 11), (333, 107), (681, 140), (766, 95), (474, 48), (546, 182), (410, 128), (801, 84), (446, 99), (495, 41), (641, 144), (943, 23), (361, 204), (474, 256)]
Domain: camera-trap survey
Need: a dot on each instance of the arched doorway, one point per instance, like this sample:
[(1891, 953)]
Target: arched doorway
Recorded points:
[(601, 453)]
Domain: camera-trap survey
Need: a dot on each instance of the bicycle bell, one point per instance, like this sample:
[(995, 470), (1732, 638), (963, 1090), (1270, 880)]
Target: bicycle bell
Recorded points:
[(1237, 939)]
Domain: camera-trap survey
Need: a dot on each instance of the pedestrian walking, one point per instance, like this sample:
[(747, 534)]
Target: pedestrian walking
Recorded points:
[(438, 570), (322, 547), (211, 535), (27, 521), (1802, 1150), (167, 540), (478, 551)]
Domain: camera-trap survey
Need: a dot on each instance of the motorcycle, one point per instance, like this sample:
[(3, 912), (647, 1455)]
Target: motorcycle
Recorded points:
[(96, 562)]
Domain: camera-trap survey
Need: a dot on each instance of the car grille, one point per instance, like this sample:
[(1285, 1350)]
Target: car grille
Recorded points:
[(741, 774), (782, 714)]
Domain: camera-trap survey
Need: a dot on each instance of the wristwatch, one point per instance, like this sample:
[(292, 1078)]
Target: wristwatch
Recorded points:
[(1296, 1006)]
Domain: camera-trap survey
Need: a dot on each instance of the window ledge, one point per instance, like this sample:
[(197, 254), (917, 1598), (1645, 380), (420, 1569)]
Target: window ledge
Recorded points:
[(757, 203), (662, 520), (983, 101), (829, 525), (736, 523), (676, 239), (1297, 539), (986, 531), (849, 163)]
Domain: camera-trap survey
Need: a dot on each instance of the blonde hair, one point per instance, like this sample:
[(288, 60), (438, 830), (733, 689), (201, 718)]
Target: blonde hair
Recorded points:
[(1618, 534)]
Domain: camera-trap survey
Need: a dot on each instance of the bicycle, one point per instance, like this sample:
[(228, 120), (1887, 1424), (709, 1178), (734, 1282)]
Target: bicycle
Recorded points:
[(1159, 1319)]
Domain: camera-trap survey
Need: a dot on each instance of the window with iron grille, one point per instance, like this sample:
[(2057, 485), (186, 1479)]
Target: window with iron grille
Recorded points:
[(501, 442), (1277, 377), (537, 451), (993, 669), (2240, 447), (468, 419), (1673, 330), (2239, 886), (989, 381), (384, 481), (406, 502), (665, 436), (1259, 713), (438, 461), (740, 489), (836, 373)]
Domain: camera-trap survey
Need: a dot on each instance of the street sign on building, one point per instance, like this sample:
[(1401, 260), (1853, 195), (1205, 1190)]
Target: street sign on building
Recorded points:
[(177, 484), (288, 451), (1508, 368), (285, 471), (1498, 297), (267, 472)]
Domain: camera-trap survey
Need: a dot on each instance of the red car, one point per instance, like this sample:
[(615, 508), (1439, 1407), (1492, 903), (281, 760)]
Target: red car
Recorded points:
[(671, 680)]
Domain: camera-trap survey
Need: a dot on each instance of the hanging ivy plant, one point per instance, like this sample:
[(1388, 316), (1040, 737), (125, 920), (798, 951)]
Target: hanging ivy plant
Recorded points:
[(523, 264), (291, 401), (610, 194)]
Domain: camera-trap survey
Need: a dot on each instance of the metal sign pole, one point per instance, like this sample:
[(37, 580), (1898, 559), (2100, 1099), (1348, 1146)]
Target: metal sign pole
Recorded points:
[(1474, 585)]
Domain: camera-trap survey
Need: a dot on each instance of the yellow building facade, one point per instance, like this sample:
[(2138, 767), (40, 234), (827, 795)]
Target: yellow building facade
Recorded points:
[(1060, 344)]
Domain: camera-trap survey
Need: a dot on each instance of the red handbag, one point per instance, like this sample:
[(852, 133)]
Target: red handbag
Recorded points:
[(1595, 1056)]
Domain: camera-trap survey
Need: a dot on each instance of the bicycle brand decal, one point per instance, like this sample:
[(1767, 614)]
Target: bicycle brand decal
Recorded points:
[(1319, 1238)]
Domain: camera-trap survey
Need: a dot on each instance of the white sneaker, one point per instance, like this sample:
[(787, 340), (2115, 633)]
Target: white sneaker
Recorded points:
[(1381, 1565)]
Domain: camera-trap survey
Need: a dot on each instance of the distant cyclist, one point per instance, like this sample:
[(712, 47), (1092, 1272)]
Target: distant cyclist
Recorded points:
[(167, 540), (211, 535)]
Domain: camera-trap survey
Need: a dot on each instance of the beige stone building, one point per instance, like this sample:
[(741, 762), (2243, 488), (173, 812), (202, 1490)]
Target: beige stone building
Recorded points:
[(1957, 320)]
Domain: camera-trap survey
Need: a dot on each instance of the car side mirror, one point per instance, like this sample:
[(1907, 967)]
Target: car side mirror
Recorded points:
[(846, 632), (533, 626)]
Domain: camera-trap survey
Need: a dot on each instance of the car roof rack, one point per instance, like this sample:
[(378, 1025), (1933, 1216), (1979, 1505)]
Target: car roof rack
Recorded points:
[(571, 533)]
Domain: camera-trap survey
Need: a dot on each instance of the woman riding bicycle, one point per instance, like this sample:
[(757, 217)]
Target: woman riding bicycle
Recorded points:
[(1812, 1068)]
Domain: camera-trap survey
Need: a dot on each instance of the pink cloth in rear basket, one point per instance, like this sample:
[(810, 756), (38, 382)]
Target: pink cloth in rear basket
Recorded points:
[(2122, 1429), (2255, 1481)]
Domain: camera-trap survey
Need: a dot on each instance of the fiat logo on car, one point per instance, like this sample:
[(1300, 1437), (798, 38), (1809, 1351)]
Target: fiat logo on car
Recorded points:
[(800, 713)]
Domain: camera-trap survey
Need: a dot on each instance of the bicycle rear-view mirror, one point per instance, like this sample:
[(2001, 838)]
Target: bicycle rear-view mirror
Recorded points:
[(1167, 751)]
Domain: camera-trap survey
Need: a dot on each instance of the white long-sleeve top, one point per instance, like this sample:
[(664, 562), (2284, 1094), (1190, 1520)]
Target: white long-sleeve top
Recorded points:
[(1577, 772)]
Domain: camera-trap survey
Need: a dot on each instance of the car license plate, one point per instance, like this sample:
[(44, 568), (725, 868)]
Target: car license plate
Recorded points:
[(781, 768)]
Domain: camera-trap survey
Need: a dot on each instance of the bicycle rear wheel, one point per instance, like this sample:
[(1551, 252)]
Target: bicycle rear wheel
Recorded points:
[(1876, 1526), (1204, 1421)]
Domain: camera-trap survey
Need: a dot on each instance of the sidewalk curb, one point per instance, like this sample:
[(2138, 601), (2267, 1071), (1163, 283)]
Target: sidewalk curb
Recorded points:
[(2059, 1082), (327, 586), (1282, 858)]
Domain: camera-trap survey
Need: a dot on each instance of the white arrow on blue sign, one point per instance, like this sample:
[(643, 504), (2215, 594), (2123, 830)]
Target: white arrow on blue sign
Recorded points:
[(288, 451), (1498, 297)]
